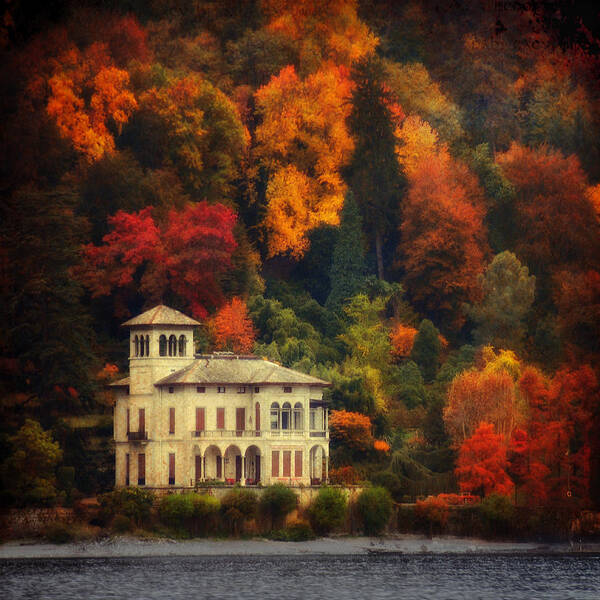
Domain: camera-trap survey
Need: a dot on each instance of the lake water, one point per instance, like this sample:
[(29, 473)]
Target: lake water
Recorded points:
[(305, 577)]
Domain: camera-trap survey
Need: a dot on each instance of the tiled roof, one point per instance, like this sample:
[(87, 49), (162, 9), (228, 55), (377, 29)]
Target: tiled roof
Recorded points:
[(233, 369), (160, 315), (120, 382)]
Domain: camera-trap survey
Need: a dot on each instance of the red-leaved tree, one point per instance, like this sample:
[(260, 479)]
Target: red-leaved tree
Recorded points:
[(231, 327), (482, 463), (181, 256)]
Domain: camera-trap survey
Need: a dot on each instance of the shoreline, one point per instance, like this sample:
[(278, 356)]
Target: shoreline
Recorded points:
[(131, 547)]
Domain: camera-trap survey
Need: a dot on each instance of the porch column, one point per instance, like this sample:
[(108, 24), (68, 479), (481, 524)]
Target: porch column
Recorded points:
[(243, 481), (326, 468)]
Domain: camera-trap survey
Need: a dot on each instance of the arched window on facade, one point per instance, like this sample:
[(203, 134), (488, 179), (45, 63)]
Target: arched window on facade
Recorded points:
[(274, 415), (142, 345), (257, 416), (286, 415), (162, 345), (182, 345), (136, 343), (147, 345), (172, 345), (298, 420)]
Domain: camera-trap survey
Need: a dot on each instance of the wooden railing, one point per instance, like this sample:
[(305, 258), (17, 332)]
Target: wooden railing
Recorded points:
[(137, 436)]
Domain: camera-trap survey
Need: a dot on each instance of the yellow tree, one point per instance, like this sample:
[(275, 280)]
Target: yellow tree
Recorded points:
[(303, 142)]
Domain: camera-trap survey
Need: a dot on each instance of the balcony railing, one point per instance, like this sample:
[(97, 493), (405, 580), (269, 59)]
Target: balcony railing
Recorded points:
[(270, 433), (137, 436)]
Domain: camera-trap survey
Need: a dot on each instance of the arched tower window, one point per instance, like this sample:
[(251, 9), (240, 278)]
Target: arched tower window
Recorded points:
[(142, 345), (274, 415), (182, 344), (286, 411), (147, 345), (162, 345), (298, 420), (136, 343), (172, 345)]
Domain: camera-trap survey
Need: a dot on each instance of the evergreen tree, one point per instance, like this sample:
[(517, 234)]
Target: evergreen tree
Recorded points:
[(374, 173), (46, 332), (348, 264), (426, 349)]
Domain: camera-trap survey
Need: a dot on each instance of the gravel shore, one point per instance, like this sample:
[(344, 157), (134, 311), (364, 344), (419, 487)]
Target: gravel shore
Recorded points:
[(406, 544)]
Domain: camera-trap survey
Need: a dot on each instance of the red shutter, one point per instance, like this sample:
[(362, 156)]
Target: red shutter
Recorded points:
[(127, 469), (287, 463), (142, 420), (198, 467), (298, 465), (240, 420), (257, 417), (220, 418), (200, 418), (171, 468), (141, 469), (171, 420), (275, 463)]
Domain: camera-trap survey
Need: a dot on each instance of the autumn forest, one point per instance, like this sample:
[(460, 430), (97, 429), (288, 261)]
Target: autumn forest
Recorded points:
[(401, 199)]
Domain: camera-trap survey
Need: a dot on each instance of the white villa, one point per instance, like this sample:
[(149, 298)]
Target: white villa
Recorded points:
[(182, 418)]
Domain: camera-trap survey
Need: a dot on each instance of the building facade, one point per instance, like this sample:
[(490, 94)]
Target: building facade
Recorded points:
[(182, 418)]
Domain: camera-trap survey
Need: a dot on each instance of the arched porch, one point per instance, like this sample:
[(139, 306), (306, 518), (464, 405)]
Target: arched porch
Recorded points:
[(318, 465), (252, 465)]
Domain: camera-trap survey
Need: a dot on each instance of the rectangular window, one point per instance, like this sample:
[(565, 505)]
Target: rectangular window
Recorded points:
[(298, 463), (198, 467), (287, 389), (240, 420), (275, 463), (200, 414), (171, 390), (200, 389), (241, 390), (171, 468), (127, 469), (171, 420), (220, 418), (256, 390), (287, 463), (141, 469), (128, 421), (142, 420), (221, 390)]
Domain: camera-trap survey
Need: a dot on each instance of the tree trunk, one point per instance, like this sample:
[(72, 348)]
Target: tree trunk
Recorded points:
[(379, 253)]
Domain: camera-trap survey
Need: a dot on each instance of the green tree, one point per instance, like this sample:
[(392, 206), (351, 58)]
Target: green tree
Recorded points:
[(28, 473), (426, 349), (374, 173), (508, 292), (348, 264)]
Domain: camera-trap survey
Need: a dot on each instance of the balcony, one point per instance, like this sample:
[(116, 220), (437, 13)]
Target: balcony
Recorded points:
[(137, 436), (270, 433), (226, 433)]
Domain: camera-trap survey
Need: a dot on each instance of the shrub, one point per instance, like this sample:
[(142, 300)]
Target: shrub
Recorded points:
[(276, 502), (59, 533), (238, 506), (135, 503), (374, 506), (328, 510), (176, 511), (497, 513), (122, 524), (299, 531), (432, 514), (206, 510)]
